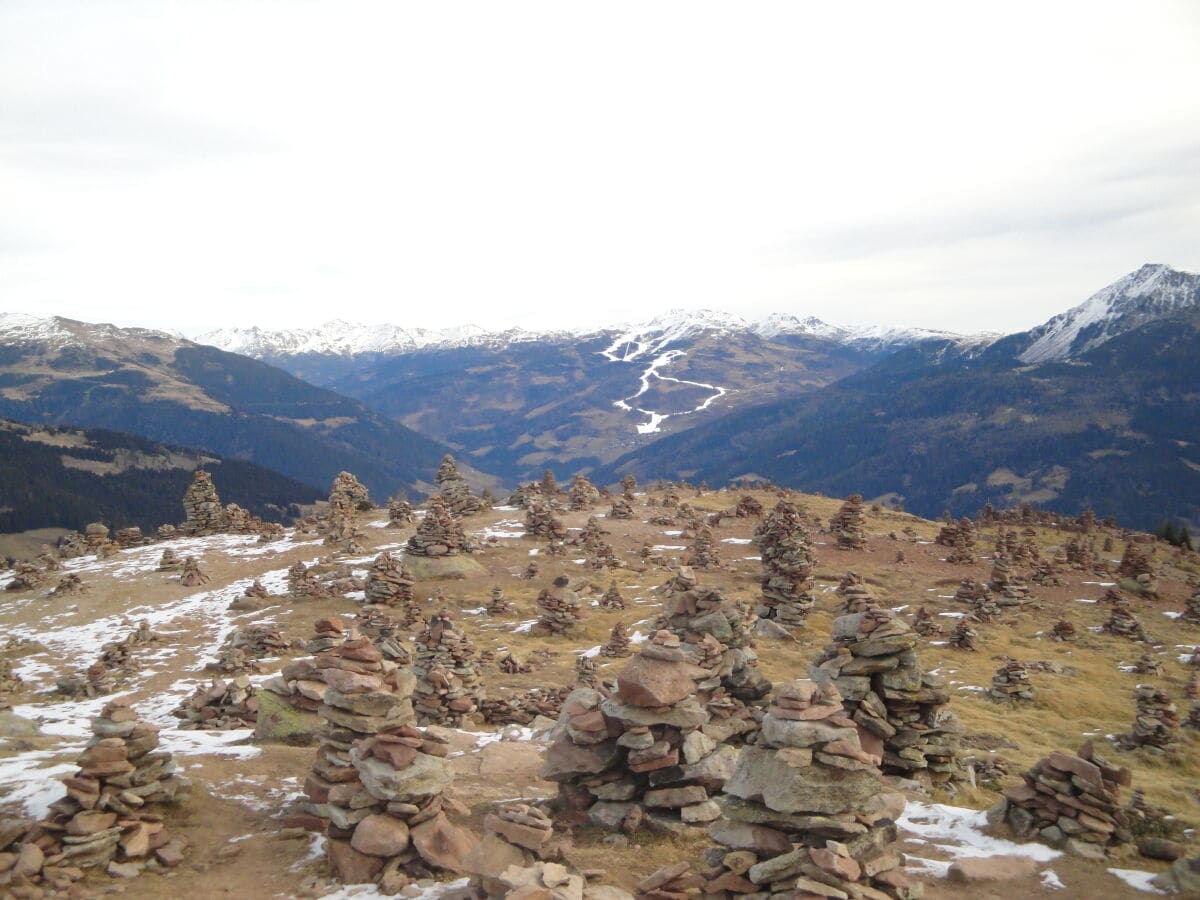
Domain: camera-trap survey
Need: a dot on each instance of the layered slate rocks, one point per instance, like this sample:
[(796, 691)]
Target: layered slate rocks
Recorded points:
[(346, 491), (523, 708), (1011, 683), (222, 705), (642, 755), (191, 576), (440, 532), (389, 583), (1070, 801), (788, 562), (304, 583), (703, 554), (618, 644), (925, 624), (559, 609), (1123, 623), (112, 816), (806, 812), (400, 512), (963, 637), (903, 711), (1191, 610), (448, 686), (498, 605), (585, 672), (203, 513), (512, 854), (455, 491), (169, 561), (622, 508), (583, 494), (1063, 631), (1156, 724), (1007, 588), (26, 576), (611, 598), (540, 521), (69, 585), (848, 524), (715, 632)]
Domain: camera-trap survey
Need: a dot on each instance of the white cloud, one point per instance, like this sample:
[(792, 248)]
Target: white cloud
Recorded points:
[(939, 164)]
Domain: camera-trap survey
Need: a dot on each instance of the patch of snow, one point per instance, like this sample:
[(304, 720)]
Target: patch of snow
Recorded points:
[(736, 541), (959, 832), (1136, 879), (1051, 880)]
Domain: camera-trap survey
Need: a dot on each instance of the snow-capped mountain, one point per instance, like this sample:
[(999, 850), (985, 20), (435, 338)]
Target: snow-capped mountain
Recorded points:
[(1153, 291)]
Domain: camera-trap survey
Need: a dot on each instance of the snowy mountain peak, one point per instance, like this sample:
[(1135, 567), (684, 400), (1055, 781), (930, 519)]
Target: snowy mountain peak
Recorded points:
[(785, 323), (1153, 291)]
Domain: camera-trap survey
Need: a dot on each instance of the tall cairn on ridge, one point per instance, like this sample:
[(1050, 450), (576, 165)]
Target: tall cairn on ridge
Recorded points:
[(848, 524), (903, 713), (583, 494), (439, 534), (622, 507), (643, 752), (448, 687), (715, 631), (704, 553), (389, 582), (400, 512), (788, 563), (346, 490), (806, 812), (455, 491), (202, 507)]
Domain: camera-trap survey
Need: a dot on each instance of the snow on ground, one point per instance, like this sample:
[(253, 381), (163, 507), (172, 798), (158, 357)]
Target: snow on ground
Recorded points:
[(1136, 879), (736, 541), (958, 833), (371, 891)]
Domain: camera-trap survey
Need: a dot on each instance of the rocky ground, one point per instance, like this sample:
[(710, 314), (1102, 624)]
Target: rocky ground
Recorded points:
[(235, 821)]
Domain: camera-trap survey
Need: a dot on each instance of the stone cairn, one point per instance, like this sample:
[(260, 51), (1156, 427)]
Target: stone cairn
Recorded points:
[(1193, 687), (400, 512), (559, 609), (540, 521), (848, 524), (622, 508), (585, 672), (69, 585), (1011, 683), (10, 682), (169, 561), (1007, 589), (498, 605), (583, 494), (1191, 610), (1193, 718), (523, 708), (389, 583), (641, 753), (347, 491), (715, 630), (925, 624), (448, 687), (903, 712), (304, 682), (1123, 623), (1135, 563), (515, 857), (1063, 630), (203, 513), (549, 485), (1156, 724), (788, 562), (111, 816), (510, 665), (191, 576), (304, 584), (971, 592), (611, 598), (221, 706), (439, 534), (963, 637), (26, 576), (960, 538), (247, 644), (806, 812), (115, 665), (618, 643), (1069, 801), (703, 554), (455, 491), (1148, 664)]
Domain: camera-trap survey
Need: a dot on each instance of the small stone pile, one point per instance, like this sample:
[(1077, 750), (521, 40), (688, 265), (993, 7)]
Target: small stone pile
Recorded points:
[(1011, 684), (1191, 610), (303, 583), (522, 709), (559, 609), (963, 637), (641, 753), (1193, 718), (111, 817), (1007, 589), (510, 665), (203, 513), (583, 494), (455, 491), (169, 561), (622, 508), (400, 512), (1148, 664), (985, 610), (788, 562), (510, 857), (498, 605), (585, 672), (10, 681), (925, 624), (874, 664), (221, 706), (805, 812), (1156, 725), (439, 534), (1068, 801), (540, 521), (716, 633), (611, 598), (191, 576), (618, 643), (670, 497), (246, 645), (70, 584), (129, 537), (704, 553), (1193, 687), (448, 687), (960, 538), (255, 591), (389, 583), (1135, 562), (1063, 630), (971, 591), (1123, 623), (848, 524), (26, 576), (1046, 573)]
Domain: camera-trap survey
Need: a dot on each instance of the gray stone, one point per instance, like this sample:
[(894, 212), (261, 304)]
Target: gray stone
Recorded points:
[(425, 776), (815, 789)]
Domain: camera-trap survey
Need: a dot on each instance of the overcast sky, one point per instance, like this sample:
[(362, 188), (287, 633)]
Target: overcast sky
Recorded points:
[(198, 165)]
